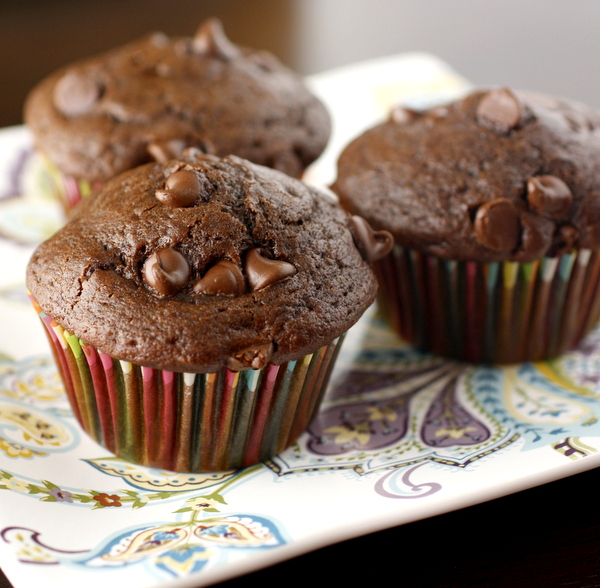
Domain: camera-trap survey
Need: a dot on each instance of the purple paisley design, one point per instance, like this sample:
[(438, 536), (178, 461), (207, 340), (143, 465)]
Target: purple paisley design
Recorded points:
[(412, 490), (359, 424), (448, 423)]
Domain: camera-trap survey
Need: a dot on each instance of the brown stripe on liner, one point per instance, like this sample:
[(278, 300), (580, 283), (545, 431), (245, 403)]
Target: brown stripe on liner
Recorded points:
[(572, 306), (538, 329), (225, 420), (248, 385), (131, 429), (591, 300), (529, 278), (185, 422), (252, 453)]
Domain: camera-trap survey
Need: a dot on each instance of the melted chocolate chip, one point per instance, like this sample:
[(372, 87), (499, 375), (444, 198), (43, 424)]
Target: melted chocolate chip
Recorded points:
[(222, 278), (166, 271), (182, 189), (210, 40), (262, 271), (497, 225), (251, 358), (75, 94), (549, 196), (163, 151), (373, 245), (499, 110)]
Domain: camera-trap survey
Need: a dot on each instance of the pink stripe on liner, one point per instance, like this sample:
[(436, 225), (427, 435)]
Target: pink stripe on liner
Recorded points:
[(168, 420), (261, 415), (111, 390), (98, 376), (63, 367)]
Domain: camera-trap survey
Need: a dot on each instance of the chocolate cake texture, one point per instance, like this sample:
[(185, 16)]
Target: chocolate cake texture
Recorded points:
[(153, 97), (202, 263), (499, 175)]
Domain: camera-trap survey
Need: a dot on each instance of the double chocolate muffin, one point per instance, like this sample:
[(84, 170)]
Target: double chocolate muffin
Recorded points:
[(195, 308), (494, 205), (153, 97)]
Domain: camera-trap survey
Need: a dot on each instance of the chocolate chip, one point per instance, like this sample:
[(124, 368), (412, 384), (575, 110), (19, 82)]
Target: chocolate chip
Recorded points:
[(497, 225), (263, 271), (373, 245), (222, 278), (403, 116), (210, 40), (549, 195), (75, 94), (163, 151), (265, 60), (182, 189), (499, 110), (159, 40), (167, 271), (565, 239), (256, 357)]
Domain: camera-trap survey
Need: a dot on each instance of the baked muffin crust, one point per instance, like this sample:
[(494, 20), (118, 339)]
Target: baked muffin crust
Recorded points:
[(155, 96), (257, 266), (499, 175)]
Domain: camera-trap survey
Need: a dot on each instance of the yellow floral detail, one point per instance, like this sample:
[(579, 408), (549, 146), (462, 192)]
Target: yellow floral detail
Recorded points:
[(385, 413), (16, 450), (454, 433), (345, 435), (16, 484), (34, 426), (202, 503)]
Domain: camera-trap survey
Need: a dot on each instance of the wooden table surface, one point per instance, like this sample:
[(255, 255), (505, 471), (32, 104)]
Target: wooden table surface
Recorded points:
[(548, 536)]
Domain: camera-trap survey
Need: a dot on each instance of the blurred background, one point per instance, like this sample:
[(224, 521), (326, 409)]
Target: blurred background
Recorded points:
[(545, 45)]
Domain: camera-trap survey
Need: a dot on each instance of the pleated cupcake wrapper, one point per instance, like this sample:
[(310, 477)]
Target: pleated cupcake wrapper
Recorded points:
[(68, 190), (499, 312), (189, 422)]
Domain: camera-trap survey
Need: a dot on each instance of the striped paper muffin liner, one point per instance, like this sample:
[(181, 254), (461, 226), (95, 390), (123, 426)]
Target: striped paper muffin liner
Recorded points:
[(497, 312), (189, 422), (68, 190)]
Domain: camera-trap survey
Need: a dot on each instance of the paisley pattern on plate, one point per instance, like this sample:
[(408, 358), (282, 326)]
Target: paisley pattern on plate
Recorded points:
[(400, 436)]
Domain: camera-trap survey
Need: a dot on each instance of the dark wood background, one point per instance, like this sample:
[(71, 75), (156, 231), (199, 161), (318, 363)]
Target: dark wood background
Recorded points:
[(551, 46)]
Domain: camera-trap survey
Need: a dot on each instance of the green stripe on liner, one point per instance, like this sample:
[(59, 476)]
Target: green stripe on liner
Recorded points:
[(493, 271), (75, 344), (271, 436), (527, 269), (565, 266)]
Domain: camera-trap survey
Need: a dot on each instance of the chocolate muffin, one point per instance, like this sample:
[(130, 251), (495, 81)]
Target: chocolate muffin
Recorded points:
[(494, 205), (153, 97), (197, 307)]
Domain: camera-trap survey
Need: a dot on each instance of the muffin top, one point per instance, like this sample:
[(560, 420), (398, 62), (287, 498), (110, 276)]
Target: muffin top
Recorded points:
[(202, 263), (499, 175), (153, 97)]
